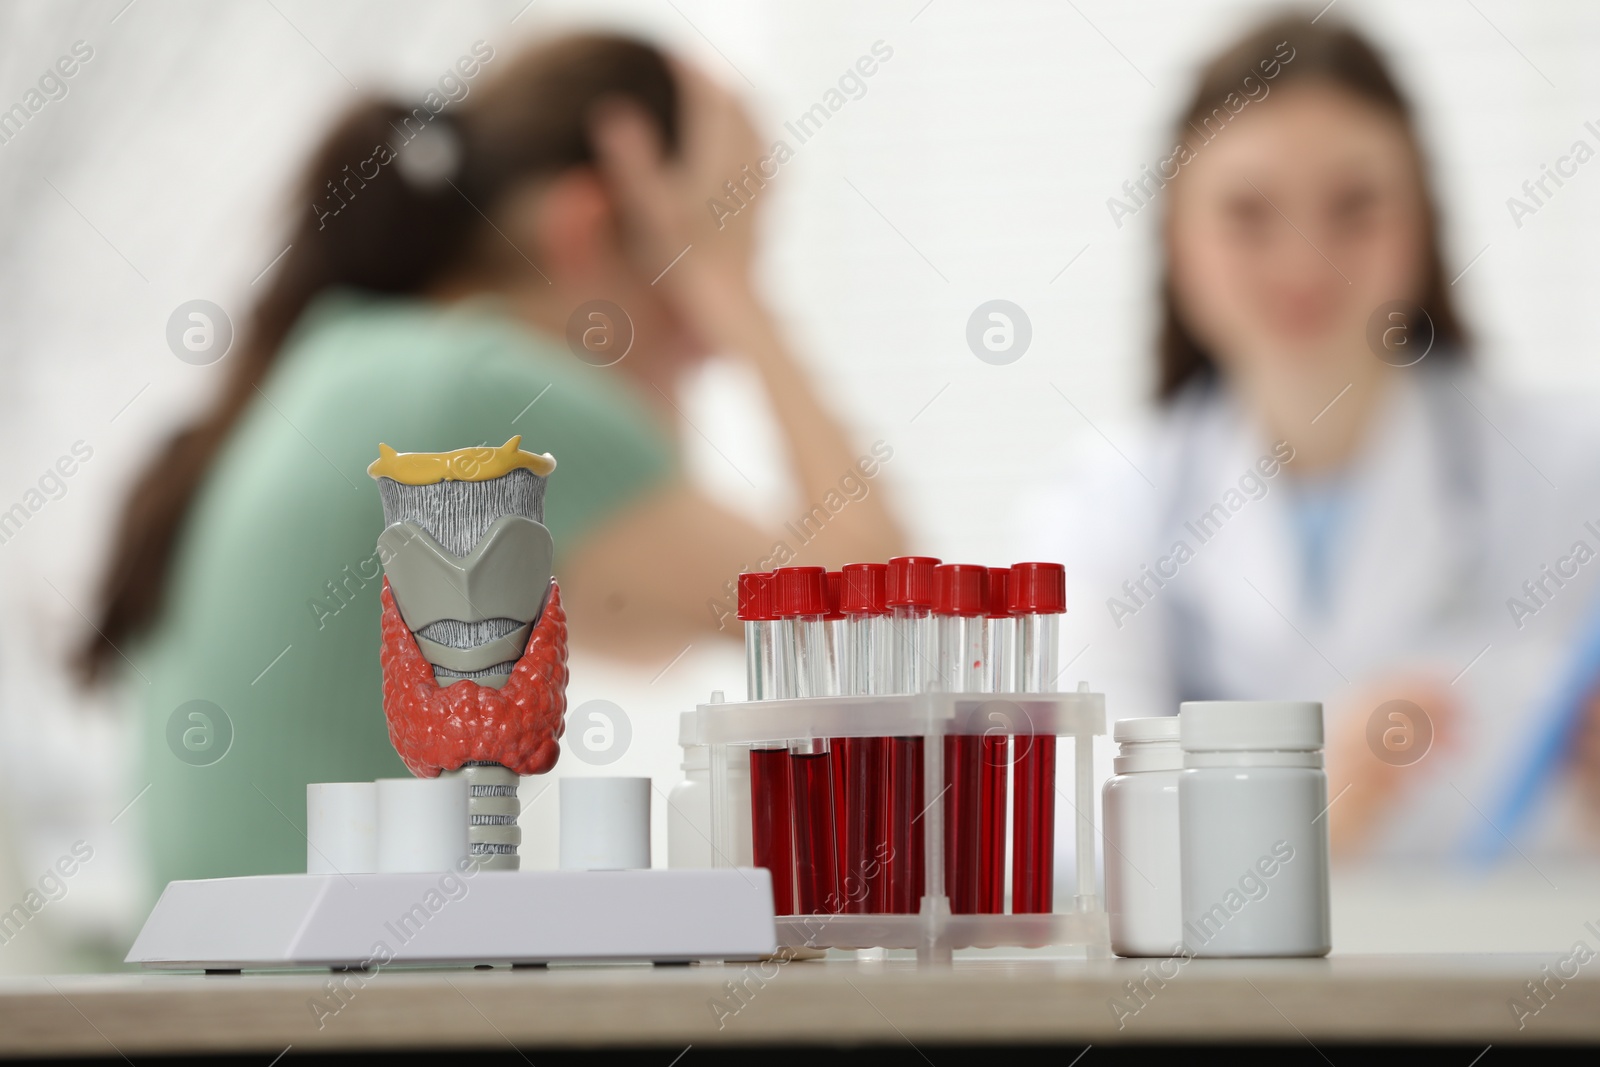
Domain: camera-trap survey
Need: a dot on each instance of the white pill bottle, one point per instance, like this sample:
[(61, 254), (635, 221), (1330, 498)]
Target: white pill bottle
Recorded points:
[(1253, 829), (689, 813), (1140, 807)]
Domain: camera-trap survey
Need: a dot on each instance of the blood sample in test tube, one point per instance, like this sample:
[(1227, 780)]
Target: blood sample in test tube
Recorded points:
[(959, 605), (802, 602), (999, 677), (771, 825), (863, 876), (834, 621), (910, 600), (1038, 595)]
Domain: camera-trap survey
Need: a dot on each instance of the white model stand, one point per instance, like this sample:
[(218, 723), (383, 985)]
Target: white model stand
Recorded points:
[(367, 921), (934, 932)]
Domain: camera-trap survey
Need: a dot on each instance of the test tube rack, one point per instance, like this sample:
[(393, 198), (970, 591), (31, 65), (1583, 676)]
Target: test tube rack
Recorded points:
[(934, 932)]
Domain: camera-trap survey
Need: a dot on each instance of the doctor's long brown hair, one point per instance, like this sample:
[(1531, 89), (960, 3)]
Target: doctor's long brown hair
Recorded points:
[(528, 119), (1331, 55)]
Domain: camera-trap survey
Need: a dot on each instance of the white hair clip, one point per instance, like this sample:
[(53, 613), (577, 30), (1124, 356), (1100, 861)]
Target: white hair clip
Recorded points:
[(432, 157)]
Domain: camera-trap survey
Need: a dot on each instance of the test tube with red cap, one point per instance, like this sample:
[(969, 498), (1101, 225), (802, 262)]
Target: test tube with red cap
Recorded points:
[(962, 631), (910, 600), (837, 635), (833, 618), (999, 677), (1000, 667), (802, 604), (1038, 595), (760, 640), (863, 599), (862, 877), (771, 829)]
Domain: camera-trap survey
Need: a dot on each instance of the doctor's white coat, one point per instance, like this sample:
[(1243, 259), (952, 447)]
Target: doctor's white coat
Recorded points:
[(1469, 550)]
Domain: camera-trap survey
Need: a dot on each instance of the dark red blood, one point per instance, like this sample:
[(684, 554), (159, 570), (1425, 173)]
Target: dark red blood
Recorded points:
[(438, 728)]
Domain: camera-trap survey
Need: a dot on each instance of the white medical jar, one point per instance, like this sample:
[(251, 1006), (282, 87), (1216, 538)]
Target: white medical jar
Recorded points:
[(1252, 803), (1140, 805)]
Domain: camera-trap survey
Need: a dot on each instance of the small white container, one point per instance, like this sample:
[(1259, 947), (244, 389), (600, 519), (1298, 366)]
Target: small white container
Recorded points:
[(422, 823), (341, 827), (1144, 891), (689, 805), (605, 824), (689, 812), (1252, 803)]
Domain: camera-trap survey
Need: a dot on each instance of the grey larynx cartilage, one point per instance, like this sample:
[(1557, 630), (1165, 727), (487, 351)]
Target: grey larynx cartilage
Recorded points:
[(471, 612), (469, 565)]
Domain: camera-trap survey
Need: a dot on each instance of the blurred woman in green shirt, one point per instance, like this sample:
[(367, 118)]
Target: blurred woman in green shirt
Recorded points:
[(535, 258)]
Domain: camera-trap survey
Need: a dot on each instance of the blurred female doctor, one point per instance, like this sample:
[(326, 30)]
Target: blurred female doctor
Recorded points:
[(1331, 506)]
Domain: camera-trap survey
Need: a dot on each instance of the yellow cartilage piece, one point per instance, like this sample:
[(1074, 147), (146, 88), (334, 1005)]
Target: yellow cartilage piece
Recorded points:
[(477, 464)]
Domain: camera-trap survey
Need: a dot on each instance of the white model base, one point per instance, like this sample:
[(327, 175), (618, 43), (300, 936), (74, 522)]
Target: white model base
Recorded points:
[(447, 919)]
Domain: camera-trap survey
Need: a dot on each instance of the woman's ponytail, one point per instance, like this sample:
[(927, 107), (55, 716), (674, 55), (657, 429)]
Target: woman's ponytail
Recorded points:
[(390, 203)]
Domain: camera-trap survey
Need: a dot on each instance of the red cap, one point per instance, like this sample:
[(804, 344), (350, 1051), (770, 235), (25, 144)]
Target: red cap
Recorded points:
[(801, 591), (1038, 589), (865, 589), (831, 609), (756, 596), (959, 589), (911, 581), (998, 606)]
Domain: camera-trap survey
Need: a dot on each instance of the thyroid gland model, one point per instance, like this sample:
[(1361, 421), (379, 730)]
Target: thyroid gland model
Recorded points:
[(474, 637)]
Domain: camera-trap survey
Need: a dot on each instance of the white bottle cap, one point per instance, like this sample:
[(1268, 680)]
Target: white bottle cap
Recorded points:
[(341, 828), (1250, 725), (422, 823), (1147, 745), (1155, 728), (688, 729), (605, 824)]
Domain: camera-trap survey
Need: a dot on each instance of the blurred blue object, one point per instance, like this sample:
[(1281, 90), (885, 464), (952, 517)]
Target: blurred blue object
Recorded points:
[(1556, 730)]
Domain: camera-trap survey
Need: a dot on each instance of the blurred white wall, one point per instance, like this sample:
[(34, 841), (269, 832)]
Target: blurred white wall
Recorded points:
[(976, 166)]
